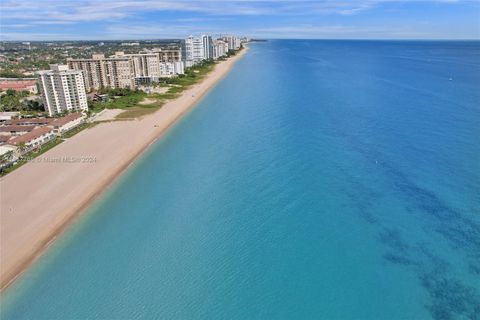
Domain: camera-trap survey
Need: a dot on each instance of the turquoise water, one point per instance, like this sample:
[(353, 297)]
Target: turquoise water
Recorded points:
[(319, 180)]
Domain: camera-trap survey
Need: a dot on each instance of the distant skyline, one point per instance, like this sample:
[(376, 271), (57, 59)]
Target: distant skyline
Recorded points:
[(31, 20)]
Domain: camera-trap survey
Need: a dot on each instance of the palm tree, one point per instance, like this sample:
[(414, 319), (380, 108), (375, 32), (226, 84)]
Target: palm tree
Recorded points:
[(22, 147), (6, 158)]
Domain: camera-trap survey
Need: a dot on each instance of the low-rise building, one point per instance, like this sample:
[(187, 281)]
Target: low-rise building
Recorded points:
[(29, 121), (15, 130), (67, 123), (29, 85), (33, 139), (5, 116), (4, 138)]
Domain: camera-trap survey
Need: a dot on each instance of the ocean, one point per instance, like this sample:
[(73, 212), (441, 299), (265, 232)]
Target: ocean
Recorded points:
[(318, 180)]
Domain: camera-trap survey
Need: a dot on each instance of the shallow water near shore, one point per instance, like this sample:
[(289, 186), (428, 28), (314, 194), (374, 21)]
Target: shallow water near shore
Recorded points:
[(319, 179)]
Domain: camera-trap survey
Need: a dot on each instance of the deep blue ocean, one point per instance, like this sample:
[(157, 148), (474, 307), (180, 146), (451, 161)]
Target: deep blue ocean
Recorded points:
[(318, 180)]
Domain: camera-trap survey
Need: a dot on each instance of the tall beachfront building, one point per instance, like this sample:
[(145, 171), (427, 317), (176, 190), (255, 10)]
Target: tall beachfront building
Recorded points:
[(153, 64), (102, 72), (62, 90), (220, 48), (194, 52), (169, 55), (198, 49), (143, 64), (127, 70), (204, 47), (234, 42), (207, 44)]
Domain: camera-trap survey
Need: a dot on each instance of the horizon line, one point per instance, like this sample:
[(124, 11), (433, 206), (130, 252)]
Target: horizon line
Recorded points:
[(251, 38)]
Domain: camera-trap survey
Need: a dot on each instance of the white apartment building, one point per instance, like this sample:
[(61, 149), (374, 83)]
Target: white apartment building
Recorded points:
[(194, 52), (207, 44), (220, 48), (170, 69), (234, 43), (62, 90), (204, 47)]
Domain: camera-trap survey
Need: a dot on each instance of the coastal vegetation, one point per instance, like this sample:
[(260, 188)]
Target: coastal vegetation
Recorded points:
[(137, 112), (11, 73), (12, 100), (120, 98), (77, 129)]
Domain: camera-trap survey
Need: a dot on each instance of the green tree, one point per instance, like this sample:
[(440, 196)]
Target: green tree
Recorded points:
[(22, 147), (6, 158)]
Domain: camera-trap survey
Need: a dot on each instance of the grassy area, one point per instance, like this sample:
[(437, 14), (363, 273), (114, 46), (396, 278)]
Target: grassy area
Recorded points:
[(178, 84), (141, 110), (119, 100), (76, 130), (136, 112), (31, 155)]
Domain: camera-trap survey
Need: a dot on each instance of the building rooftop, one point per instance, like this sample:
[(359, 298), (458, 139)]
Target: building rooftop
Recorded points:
[(30, 136), (9, 113), (50, 72), (4, 116), (17, 84), (4, 138), (16, 128), (64, 120), (29, 121)]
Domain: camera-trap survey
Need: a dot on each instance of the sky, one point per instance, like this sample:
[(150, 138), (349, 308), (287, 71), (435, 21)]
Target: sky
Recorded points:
[(158, 19)]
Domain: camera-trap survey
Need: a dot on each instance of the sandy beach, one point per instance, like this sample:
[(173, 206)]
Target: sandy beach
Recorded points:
[(42, 197)]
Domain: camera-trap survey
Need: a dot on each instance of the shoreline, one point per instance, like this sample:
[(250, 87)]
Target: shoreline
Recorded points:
[(26, 230)]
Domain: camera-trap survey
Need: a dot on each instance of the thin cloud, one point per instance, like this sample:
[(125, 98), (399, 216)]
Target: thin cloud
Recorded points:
[(101, 10), (104, 19)]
